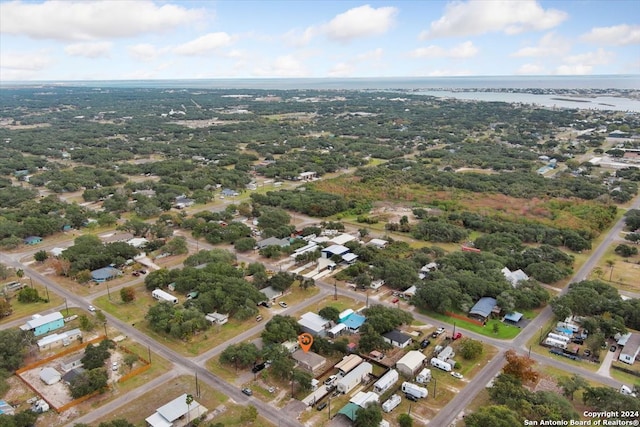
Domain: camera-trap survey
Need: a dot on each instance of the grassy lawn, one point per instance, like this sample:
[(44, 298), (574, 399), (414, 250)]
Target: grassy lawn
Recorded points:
[(26, 309), (342, 303), (504, 331), (624, 377), (625, 271), (229, 414)]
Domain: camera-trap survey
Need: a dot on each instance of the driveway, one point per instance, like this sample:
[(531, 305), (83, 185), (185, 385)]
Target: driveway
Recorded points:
[(606, 363)]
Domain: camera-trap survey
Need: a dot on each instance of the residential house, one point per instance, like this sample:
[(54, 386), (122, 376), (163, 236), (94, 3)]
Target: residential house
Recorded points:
[(32, 240), (309, 361), (227, 192), (182, 202), (59, 340), (397, 338), (41, 325), (631, 349), (483, 308), (170, 414), (514, 277), (378, 243), (354, 378), (272, 241), (348, 363), (217, 318), (332, 250), (270, 293), (314, 324), (354, 322), (50, 376), (103, 274)]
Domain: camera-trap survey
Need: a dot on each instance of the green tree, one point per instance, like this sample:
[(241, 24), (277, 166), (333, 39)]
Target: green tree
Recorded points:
[(127, 294), (405, 420), (14, 344), (28, 295), (41, 256), (470, 349), (280, 329), (95, 355), (240, 355), (5, 308), (369, 416), (85, 323), (245, 244), (570, 385), (249, 414), (494, 416), (130, 359), (330, 313)]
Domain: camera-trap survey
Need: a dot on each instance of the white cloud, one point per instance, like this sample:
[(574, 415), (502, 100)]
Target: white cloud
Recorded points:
[(530, 69), (449, 73), (372, 55), (143, 52), (618, 35), (583, 63), (599, 57), (549, 45), (282, 66), (363, 21), (204, 45), (89, 50), (33, 61), (359, 22), (574, 70), (90, 20), (479, 17), (341, 69), (463, 50)]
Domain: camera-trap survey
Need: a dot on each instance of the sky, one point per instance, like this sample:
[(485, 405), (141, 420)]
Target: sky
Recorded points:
[(179, 39)]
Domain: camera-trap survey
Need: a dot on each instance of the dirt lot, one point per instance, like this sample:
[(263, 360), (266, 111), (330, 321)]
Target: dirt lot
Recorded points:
[(58, 394)]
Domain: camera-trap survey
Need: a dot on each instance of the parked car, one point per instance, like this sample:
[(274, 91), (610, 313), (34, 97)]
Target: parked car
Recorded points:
[(424, 343), (114, 366), (257, 368), (587, 352), (456, 336), (411, 397), (395, 300), (613, 348), (330, 380), (265, 304), (247, 391), (457, 375), (135, 273), (283, 304), (258, 318), (321, 406), (92, 308), (437, 332)]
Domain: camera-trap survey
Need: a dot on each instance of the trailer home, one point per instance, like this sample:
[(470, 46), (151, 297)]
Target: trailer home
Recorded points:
[(386, 381), (555, 343), (161, 295), (440, 364), (354, 378), (414, 390), (559, 337)]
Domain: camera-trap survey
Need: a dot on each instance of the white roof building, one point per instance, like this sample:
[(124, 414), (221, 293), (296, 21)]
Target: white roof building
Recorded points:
[(138, 242), (168, 414), (379, 243), (514, 277), (410, 363), (341, 239), (50, 376), (362, 399), (314, 323)]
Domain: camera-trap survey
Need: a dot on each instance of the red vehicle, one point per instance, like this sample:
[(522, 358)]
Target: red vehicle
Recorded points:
[(395, 300), (456, 336)]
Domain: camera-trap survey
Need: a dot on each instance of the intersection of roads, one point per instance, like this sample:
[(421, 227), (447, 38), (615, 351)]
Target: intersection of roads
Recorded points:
[(195, 365)]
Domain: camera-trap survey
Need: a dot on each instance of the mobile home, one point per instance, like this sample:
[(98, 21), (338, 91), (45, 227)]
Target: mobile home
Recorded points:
[(386, 381), (440, 364), (161, 295), (414, 390), (555, 343)]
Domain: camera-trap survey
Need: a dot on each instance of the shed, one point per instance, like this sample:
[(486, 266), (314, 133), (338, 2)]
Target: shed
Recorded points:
[(397, 338), (337, 330), (376, 284), (386, 381), (103, 274), (514, 317), (310, 361), (482, 309), (49, 376), (410, 363), (354, 322)]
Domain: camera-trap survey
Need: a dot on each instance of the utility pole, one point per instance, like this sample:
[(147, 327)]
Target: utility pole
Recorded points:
[(108, 293), (66, 306), (149, 348), (335, 290)]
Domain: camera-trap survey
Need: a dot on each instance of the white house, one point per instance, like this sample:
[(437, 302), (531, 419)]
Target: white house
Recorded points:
[(514, 277), (397, 338), (217, 318), (168, 414), (631, 349), (314, 324)]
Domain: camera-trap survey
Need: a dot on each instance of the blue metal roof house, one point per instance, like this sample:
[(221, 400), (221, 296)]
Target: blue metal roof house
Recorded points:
[(354, 321), (103, 274), (32, 240), (41, 325), (483, 308)]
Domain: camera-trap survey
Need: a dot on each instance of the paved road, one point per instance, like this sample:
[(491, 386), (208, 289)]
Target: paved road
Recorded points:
[(445, 417)]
